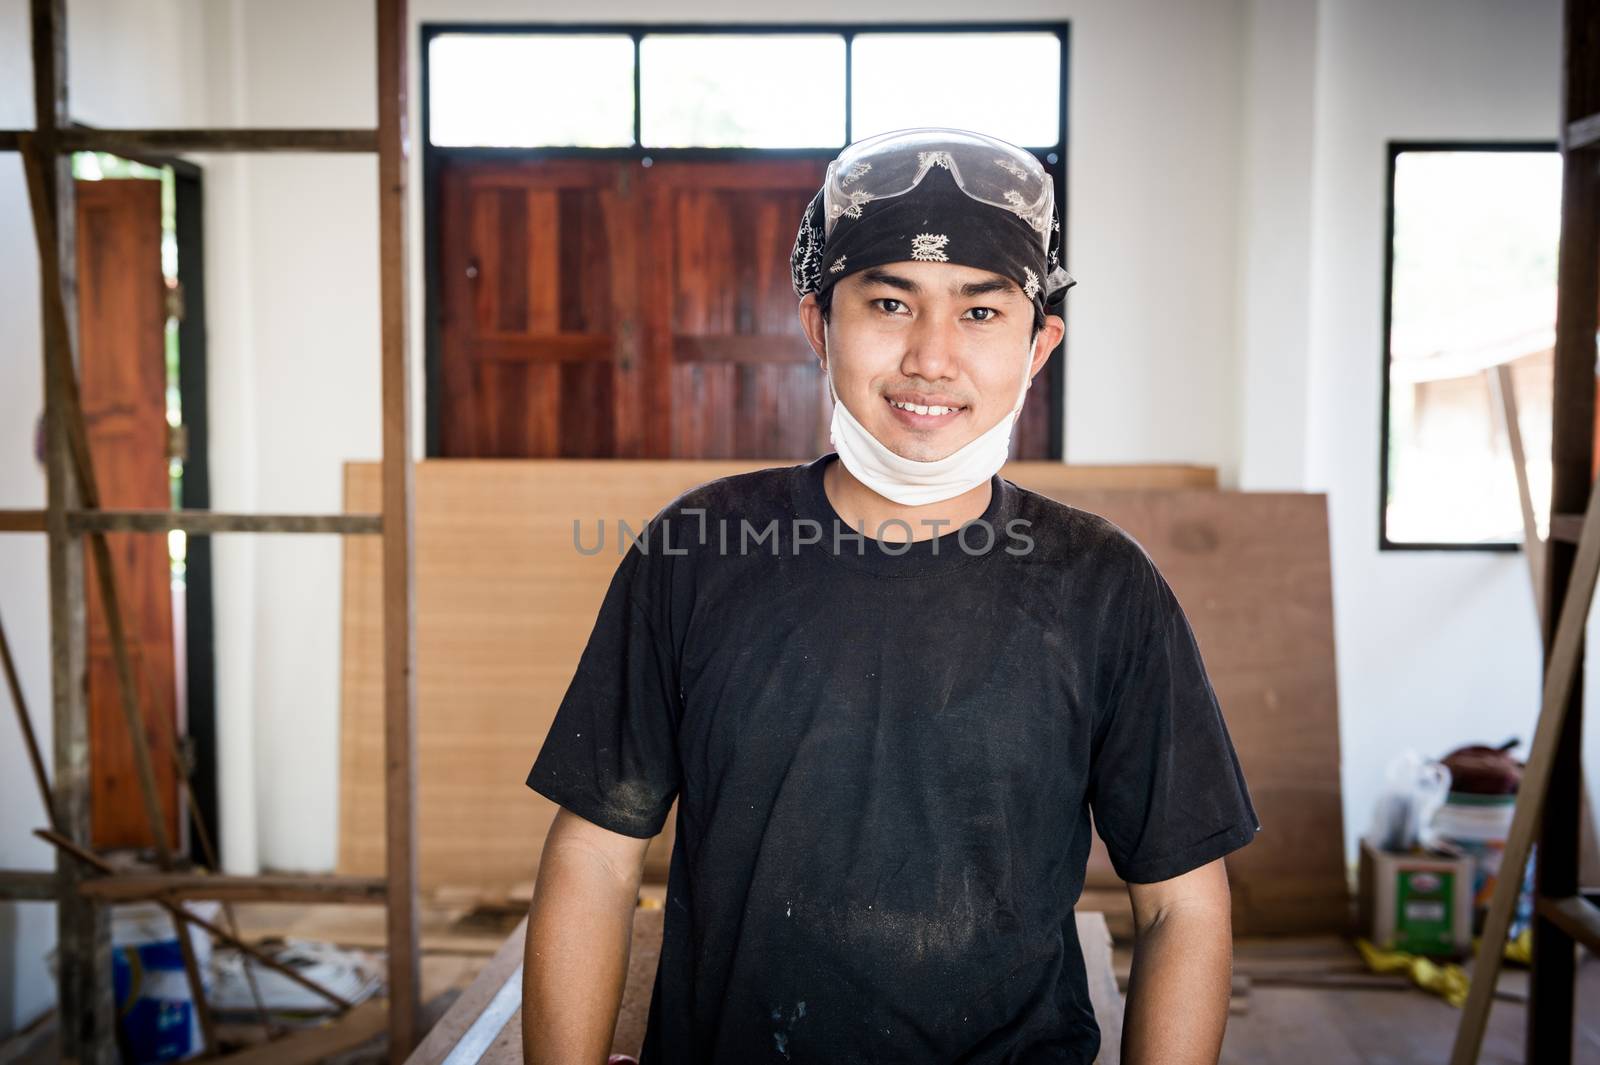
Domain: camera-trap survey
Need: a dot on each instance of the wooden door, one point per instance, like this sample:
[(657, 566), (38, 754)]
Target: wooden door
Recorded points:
[(604, 308), (538, 318), (122, 323)]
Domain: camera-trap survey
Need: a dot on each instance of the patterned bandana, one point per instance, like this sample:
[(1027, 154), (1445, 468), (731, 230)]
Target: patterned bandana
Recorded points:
[(934, 222)]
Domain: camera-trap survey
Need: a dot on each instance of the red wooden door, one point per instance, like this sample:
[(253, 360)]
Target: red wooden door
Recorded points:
[(593, 309), (538, 324), (122, 321)]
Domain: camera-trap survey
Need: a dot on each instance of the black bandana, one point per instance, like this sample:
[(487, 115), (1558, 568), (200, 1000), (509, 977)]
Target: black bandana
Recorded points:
[(934, 222)]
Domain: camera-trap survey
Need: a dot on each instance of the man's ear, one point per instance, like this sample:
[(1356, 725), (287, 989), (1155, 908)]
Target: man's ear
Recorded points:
[(1050, 335), (816, 329)]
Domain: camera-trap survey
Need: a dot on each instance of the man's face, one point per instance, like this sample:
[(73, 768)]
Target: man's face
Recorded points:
[(951, 340)]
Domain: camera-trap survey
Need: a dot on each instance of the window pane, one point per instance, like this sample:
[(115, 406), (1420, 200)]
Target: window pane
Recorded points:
[(726, 91), (1474, 276), (524, 91), (1007, 85)]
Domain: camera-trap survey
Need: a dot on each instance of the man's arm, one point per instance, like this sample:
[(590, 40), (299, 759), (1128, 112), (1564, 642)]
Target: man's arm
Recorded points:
[(1182, 974), (580, 926)]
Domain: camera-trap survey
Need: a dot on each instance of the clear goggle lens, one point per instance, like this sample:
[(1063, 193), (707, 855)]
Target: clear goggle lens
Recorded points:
[(891, 164)]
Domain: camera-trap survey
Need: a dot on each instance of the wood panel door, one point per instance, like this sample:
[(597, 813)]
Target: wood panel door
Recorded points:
[(729, 364), (604, 308), (122, 323), (538, 313)]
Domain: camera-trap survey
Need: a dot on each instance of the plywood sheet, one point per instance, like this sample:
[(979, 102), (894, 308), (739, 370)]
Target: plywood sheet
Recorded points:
[(505, 605)]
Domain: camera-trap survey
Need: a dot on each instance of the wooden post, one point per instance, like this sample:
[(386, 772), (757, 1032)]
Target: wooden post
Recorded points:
[(399, 606), (83, 936)]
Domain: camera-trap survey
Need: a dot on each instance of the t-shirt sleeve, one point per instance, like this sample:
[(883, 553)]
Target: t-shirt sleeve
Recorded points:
[(1165, 785), (611, 755)]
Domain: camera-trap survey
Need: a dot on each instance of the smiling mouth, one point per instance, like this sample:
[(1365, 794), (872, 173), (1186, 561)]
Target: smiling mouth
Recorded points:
[(929, 410)]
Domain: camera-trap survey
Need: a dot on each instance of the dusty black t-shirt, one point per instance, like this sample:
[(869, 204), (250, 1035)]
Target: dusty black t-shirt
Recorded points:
[(885, 757)]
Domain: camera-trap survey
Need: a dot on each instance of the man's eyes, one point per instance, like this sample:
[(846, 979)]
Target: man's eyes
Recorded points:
[(890, 305)]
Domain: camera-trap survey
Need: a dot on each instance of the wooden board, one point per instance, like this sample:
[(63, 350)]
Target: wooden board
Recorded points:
[(461, 1033), (505, 605)]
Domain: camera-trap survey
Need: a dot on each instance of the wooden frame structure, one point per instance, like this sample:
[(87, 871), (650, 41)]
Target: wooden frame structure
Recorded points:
[(1550, 798), (72, 521)]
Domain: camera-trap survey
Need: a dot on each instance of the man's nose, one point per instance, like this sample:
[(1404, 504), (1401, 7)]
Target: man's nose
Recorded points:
[(931, 347)]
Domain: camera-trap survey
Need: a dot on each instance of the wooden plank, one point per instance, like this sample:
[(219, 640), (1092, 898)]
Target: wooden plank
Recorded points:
[(510, 602), (30, 742), (101, 866), (205, 522), (22, 521), (125, 142), (1565, 657), (1584, 133), (1576, 916), (84, 995), (172, 887), (312, 1045), (23, 885), (1504, 390), (399, 602)]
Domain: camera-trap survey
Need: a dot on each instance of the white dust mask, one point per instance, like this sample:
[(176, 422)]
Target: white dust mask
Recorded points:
[(912, 483)]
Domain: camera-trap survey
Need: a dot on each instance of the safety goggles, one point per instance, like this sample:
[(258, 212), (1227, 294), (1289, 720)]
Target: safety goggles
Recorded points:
[(988, 170)]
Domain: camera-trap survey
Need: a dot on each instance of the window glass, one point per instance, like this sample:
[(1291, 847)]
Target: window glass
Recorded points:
[(1473, 288), (531, 90), (1007, 85), (745, 91)]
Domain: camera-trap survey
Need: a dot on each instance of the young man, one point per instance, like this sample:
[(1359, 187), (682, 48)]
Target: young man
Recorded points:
[(886, 688)]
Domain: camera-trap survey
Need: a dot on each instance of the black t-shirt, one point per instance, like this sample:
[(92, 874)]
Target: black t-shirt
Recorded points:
[(885, 755)]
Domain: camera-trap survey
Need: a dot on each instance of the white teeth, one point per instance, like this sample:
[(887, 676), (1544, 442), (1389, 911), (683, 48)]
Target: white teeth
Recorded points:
[(919, 409)]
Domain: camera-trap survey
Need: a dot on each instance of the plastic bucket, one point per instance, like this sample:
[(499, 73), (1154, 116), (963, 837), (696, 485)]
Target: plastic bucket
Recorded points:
[(155, 1009)]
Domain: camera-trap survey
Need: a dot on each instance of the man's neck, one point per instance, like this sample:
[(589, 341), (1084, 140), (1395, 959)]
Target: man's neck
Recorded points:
[(862, 508)]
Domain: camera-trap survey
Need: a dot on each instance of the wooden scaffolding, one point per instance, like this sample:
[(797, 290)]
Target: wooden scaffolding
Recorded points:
[(73, 520), (1550, 798)]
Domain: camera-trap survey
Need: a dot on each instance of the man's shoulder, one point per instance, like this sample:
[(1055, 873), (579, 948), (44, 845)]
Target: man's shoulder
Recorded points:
[(1066, 533)]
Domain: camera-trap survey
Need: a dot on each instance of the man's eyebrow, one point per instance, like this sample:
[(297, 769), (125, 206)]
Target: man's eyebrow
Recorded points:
[(996, 283), (993, 283), (879, 276)]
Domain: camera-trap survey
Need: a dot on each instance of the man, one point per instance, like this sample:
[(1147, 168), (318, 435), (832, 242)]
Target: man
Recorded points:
[(886, 688)]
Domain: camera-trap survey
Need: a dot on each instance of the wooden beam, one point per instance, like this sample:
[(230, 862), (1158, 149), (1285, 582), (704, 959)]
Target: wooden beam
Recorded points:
[(1576, 916), (84, 996), (1503, 387), (127, 142), (399, 603), (26, 885), (25, 726), (1561, 675), (100, 865), (316, 1044), (205, 522), (1584, 133), (172, 887), (23, 521)]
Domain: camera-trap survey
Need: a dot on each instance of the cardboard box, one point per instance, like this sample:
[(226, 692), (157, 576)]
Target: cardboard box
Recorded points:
[(1419, 903)]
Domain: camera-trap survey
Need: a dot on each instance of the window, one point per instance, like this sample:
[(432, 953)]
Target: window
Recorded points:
[(722, 87), (1471, 289), (1007, 85), (755, 91), (528, 90)]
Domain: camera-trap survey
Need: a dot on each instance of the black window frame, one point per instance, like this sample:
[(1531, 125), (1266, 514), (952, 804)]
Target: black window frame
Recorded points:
[(1053, 157), (1394, 149)]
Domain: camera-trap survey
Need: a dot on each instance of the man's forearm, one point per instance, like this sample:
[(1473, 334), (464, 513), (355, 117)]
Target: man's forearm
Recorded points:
[(575, 965), (1179, 988)]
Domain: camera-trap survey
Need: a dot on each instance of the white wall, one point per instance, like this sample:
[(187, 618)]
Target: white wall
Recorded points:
[(1435, 649)]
